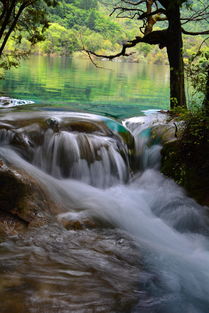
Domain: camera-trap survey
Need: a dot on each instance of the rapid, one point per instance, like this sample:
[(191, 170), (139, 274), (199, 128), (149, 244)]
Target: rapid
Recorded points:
[(144, 246)]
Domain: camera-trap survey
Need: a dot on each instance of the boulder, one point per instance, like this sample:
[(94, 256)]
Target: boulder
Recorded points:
[(23, 201), (165, 133)]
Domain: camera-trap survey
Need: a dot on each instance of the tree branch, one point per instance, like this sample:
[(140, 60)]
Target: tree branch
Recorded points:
[(21, 8), (134, 3), (164, 3), (140, 17), (122, 9), (158, 11), (7, 18), (198, 15), (194, 33), (199, 49), (156, 37), (92, 61)]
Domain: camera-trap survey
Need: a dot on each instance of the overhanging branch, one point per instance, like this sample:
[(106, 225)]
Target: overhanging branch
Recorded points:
[(206, 32), (158, 11), (122, 10), (141, 16), (156, 37), (134, 3)]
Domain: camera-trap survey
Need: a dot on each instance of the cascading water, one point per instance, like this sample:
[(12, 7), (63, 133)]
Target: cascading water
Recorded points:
[(89, 158), (6, 102), (150, 252), (57, 147)]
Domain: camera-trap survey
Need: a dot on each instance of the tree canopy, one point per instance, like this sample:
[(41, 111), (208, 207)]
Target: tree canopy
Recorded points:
[(18, 17)]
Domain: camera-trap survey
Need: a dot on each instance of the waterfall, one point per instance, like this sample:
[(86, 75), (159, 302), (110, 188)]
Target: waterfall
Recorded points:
[(91, 171), (89, 158), (60, 147)]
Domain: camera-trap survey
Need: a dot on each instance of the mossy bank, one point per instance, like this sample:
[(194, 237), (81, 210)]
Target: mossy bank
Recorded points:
[(186, 159)]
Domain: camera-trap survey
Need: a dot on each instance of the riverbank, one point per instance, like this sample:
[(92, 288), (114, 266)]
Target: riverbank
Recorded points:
[(186, 159)]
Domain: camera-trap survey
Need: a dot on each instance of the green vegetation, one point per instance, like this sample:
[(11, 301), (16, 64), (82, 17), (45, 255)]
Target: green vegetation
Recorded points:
[(73, 25), (197, 70), (186, 160), (22, 24), (78, 24), (83, 24)]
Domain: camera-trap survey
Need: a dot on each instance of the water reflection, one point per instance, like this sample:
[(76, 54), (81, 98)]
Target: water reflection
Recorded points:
[(119, 89)]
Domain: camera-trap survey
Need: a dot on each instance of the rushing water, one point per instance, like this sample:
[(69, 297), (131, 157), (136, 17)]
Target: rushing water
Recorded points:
[(148, 248), (120, 90)]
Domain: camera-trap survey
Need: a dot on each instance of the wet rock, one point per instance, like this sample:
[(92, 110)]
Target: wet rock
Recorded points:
[(23, 201), (166, 133), (79, 220), (11, 224), (5, 125), (23, 139), (53, 123), (87, 127), (79, 224)]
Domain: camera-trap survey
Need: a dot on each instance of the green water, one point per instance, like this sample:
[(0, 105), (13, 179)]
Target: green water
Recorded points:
[(118, 89)]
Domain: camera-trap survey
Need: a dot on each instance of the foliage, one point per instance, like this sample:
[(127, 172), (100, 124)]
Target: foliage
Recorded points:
[(21, 19), (78, 24), (197, 66), (84, 26), (186, 160), (59, 40)]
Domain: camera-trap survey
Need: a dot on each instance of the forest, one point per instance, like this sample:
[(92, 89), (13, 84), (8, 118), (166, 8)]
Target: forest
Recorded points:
[(78, 25)]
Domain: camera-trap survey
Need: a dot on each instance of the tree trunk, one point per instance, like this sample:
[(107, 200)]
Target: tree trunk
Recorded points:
[(11, 28), (174, 51)]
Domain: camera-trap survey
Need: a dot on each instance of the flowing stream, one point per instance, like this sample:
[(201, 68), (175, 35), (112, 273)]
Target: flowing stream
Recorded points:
[(144, 245)]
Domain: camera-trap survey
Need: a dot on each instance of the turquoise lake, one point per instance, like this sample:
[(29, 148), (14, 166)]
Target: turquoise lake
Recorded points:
[(117, 90)]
